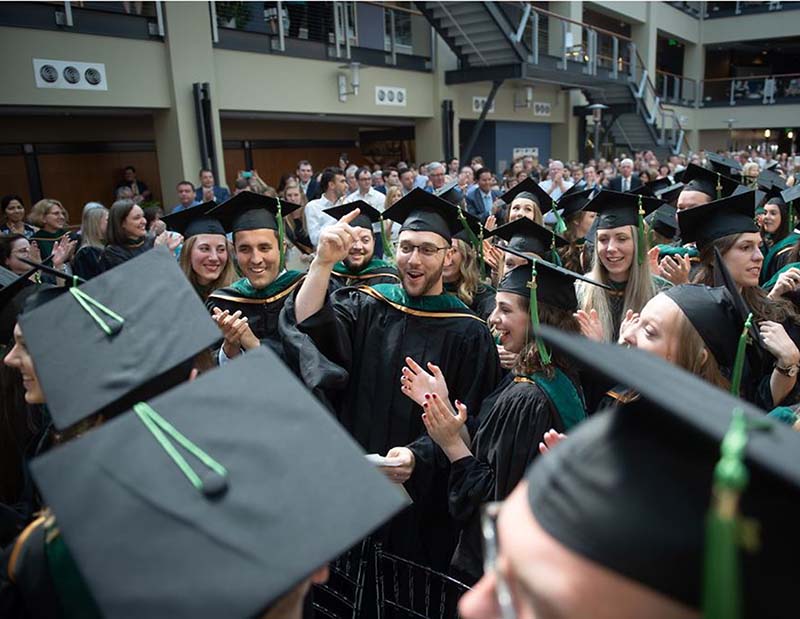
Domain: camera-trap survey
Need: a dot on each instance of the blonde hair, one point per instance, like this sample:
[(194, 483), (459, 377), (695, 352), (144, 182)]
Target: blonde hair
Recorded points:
[(638, 290), (469, 276), (393, 194), (40, 210), (226, 277), (91, 235), (299, 213)]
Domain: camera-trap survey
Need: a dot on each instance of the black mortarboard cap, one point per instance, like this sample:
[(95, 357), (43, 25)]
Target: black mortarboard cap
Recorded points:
[(671, 193), (529, 185), (193, 221), (769, 178), (44, 292), (635, 483), (771, 165), (713, 314), (295, 491), (474, 224), (698, 178), (574, 202), (368, 215), (421, 211), (615, 208), (651, 188), (526, 236), (250, 211), (6, 277), (664, 220), (450, 192), (724, 165), (705, 223), (791, 194), (555, 285), (98, 364)]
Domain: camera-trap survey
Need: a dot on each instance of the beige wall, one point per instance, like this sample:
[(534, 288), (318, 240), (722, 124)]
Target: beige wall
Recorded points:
[(760, 26), (264, 82), (504, 102), (136, 70), (633, 12)]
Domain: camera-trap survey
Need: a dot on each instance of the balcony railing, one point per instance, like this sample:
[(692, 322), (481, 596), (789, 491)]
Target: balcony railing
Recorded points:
[(752, 90), (138, 20), (734, 9), (369, 32)]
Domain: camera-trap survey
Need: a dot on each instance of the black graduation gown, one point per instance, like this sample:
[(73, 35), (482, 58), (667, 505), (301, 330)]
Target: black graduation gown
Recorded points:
[(375, 272), (369, 332), (262, 307), (86, 263), (512, 424), (482, 302), (114, 255)]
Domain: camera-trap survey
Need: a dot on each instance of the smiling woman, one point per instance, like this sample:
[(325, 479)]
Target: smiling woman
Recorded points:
[(126, 234)]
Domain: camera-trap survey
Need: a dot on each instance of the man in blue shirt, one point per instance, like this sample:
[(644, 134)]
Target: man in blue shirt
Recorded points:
[(186, 197), (207, 188), (480, 201)]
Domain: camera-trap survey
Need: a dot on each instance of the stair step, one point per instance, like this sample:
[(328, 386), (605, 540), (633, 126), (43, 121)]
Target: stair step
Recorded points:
[(467, 21), (491, 58), (458, 9), (498, 44), (487, 33)]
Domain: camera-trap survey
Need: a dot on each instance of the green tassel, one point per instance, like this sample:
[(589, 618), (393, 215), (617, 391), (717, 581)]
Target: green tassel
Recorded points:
[(640, 226), (554, 252), (790, 217), (281, 233), (721, 575), (388, 251), (741, 348), (476, 243), (560, 226), (544, 354), (719, 186)]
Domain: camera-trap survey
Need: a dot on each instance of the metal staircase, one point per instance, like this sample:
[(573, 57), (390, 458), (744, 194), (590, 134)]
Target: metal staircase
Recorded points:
[(496, 41)]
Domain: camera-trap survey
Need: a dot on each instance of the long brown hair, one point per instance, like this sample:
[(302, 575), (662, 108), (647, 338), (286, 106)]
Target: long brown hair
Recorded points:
[(528, 361), (776, 310), (226, 277), (115, 233), (572, 254)]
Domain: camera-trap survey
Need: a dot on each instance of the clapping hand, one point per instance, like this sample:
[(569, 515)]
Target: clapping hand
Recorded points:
[(416, 383), (442, 422), (590, 325), (235, 330), (551, 439), (63, 250), (675, 269), (788, 281)]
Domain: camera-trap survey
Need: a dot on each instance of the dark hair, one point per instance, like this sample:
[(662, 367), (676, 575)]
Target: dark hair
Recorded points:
[(285, 178), (6, 244), (129, 167), (151, 213), (344, 157), (205, 170), (405, 171), (191, 184), (241, 183), (482, 171), (115, 234), (328, 174), (786, 227), (361, 170), (6, 200), (303, 162)]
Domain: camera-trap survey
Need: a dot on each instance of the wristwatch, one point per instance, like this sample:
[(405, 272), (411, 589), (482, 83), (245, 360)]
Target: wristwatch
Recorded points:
[(790, 370)]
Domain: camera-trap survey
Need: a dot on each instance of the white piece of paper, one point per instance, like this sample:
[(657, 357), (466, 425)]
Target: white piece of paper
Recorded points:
[(379, 460)]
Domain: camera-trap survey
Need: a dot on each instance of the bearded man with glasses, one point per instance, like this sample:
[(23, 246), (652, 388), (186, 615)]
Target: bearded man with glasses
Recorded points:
[(366, 334)]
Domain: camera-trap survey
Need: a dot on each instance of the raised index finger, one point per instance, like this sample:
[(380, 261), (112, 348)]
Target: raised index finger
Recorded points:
[(346, 219)]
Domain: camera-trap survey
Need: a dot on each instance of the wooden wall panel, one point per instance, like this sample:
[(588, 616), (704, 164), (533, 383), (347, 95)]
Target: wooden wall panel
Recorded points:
[(234, 163), (13, 178), (272, 163), (75, 179)]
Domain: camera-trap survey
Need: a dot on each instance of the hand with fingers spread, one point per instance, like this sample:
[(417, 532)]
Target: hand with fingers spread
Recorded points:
[(550, 440), (63, 250), (491, 223), (404, 457), (630, 321), (169, 239), (788, 281), (590, 324), (335, 241), (444, 425), (492, 255), (416, 382), (675, 269)]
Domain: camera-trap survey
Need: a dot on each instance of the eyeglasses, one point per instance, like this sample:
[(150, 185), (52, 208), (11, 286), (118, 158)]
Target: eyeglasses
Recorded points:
[(489, 514), (426, 249)]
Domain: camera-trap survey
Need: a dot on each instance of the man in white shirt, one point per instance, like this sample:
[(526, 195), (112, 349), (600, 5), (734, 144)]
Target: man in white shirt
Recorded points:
[(556, 185), (366, 191), (334, 188)]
